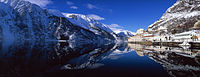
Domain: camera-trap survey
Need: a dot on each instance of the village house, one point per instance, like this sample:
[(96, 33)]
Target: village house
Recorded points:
[(141, 35), (189, 36), (138, 36)]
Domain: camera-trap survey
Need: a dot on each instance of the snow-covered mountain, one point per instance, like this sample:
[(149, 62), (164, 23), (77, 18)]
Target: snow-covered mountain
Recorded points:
[(117, 29), (90, 24), (178, 18), (124, 33), (121, 33), (97, 27), (86, 22), (23, 20)]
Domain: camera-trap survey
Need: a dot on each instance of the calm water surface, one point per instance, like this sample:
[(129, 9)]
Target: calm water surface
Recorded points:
[(47, 59)]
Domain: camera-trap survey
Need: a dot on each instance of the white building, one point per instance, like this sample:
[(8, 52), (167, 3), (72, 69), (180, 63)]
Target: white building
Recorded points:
[(185, 36), (140, 31), (141, 36), (189, 36)]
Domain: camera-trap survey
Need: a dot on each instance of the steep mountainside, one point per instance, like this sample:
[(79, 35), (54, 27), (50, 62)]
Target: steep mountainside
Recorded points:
[(90, 24), (178, 18), (24, 20), (86, 22)]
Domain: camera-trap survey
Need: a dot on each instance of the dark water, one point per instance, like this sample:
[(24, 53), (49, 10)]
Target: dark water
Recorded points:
[(53, 59)]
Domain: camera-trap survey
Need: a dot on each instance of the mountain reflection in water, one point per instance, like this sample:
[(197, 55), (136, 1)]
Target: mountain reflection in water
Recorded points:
[(41, 59)]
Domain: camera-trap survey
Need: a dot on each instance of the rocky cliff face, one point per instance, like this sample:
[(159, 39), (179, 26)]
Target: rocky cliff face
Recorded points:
[(178, 18), (22, 20)]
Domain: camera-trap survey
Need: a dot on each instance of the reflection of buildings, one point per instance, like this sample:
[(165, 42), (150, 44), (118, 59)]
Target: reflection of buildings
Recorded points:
[(177, 61), (178, 50), (138, 48), (177, 65)]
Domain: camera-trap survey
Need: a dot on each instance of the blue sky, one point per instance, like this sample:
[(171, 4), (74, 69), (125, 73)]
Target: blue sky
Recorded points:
[(129, 14)]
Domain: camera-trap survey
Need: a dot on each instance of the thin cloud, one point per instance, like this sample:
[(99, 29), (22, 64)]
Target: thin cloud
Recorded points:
[(95, 17), (74, 7), (118, 29), (115, 26), (41, 3), (91, 6), (69, 3)]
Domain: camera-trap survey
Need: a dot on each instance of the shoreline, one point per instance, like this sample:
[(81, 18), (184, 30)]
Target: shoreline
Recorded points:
[(170, 44)]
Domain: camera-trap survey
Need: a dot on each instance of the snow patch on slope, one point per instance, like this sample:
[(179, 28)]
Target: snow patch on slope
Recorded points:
[(86, 22)]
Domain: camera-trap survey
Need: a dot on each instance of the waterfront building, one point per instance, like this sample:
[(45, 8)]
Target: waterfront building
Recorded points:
[(189, 36)]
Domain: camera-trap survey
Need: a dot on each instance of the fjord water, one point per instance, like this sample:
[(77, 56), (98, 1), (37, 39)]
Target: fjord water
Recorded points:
[(41, 59)]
